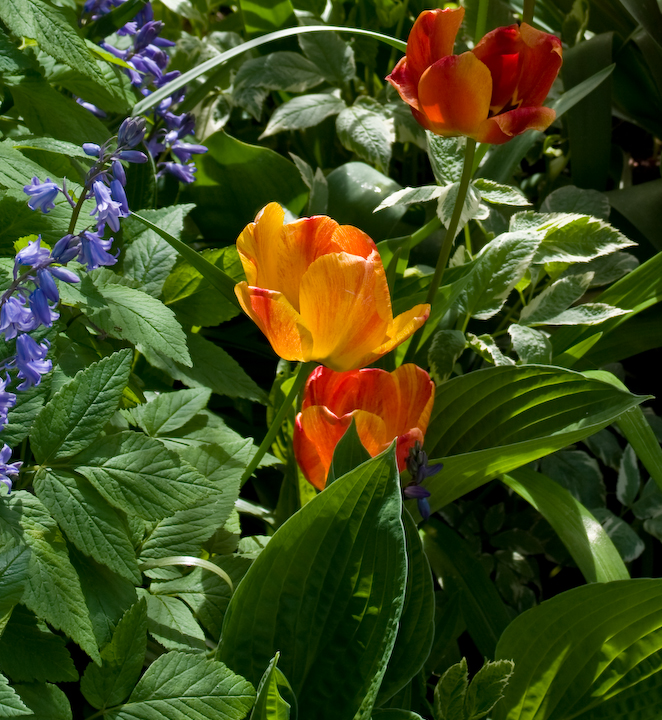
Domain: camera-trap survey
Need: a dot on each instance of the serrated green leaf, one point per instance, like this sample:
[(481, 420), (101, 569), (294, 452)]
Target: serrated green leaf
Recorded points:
[(212, 368), (571, 199), (368, 132), (450, 693), (171, 624), (303, 112), (416, 630), (336, 626), (60, 147), (94, 527), (629, 478), (333, 56), (579, 530), (287, 71), (409, 196), (50, 573), (46, 701), (170, 411), (483, 609), (498, 194), (181, 685), (11, 704), (446, 348), (471, 207), (14, 564), (486, 688), (583, 649), (140, 476), (556, 298), (586, 314), (493, 420), (531, 345), (446, 157), (12, 60), (29, 652), (51, 27), (78, 412)]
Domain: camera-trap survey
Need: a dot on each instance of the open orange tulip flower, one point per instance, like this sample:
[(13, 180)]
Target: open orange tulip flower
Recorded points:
[(490, 94), (318, 291), (384, 406)]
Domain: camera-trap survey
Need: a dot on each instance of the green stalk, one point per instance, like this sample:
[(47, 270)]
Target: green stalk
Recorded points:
[(302, 375), (481, 20), (527, 14), (447, 244)]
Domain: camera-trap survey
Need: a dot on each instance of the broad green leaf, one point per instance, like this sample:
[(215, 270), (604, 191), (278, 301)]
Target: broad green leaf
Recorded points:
[(366, 130), (498, 268), (410, 196), (270, 704), (130, 314), (486, 348), (583, 648), (416, 630), (629, 478), (49, 144), (47, 702), (486, 688), (303, 112), (236, 180), (205, 592), (638, 204), (586, 314), (531, 345), (482, 608), (212, 368), (266, 15), (494, 420), (556, 298), (107, 595), (171, 624), (138, 475), (605, 269), (169, 411), (571, 199), (446, 157), (14, 565), (181, 686), (636, 429), (333, 56), (50, 574), (78, 412), (29, 652), (471, 208), (148, 258), (11, 704), (576, 527), (446, 348), (327, 591), (349, 454), (285, 71), (577, 472), (628, 543), (12, 60), (450, 693), (497, 194), (52, 28), (94, 527)]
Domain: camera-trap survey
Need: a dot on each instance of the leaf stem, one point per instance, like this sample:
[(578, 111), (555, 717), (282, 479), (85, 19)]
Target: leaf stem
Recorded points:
[(302, 375), (527, 14)]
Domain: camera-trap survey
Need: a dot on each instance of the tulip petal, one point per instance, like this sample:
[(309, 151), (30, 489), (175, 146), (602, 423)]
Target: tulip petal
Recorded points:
[(404, 81), (500, 51), (404, 445), (345, 304), (404, 325), (454, 94), (432, 37), (501, 128), (412, 401), (277, 319), (541, 57), (318, 431)]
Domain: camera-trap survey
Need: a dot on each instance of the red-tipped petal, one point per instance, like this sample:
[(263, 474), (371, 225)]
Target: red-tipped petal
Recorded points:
[(542, 59), (405, 83), (501, 128), (431, 38), (454, 94)]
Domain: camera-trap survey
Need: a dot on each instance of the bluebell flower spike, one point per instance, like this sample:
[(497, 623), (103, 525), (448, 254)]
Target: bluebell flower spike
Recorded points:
[(417, 465), (7, 468)]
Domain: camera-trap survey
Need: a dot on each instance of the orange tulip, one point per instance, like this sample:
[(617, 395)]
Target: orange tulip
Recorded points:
[(318, 291), (384, 406), (490, 94)]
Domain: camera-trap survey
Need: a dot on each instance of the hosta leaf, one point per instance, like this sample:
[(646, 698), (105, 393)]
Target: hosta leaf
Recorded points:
[(497, 419), (327, 591), (582, 649), (181, 686), (78, 412)]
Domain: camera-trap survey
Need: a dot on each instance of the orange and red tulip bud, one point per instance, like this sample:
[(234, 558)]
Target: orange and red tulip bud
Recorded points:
[(383, 405), (491, 93)]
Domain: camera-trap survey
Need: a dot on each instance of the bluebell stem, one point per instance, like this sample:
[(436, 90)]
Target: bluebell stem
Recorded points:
[(7, 468), (417, 464)]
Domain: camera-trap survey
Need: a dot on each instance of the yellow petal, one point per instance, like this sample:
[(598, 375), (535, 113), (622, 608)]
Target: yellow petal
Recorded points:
[(403, 327)]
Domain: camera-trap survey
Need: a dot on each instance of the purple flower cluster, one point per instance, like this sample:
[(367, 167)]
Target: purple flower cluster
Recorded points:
[(147, 70), (7, 468)]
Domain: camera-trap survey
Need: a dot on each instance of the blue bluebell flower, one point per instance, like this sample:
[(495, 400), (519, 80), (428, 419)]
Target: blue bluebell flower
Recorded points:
[(133, 156), (118, 171), (40, 308), (63, 274), (91, 108), (92, 149), (183, 151), (417, 465), (16, 318), (42, 194), (32, 254), (30, 361), (118, 194), (7, 401), (183, 173), (7, 468), (94, 251), (47, 284), (66, 249), (107, 210)]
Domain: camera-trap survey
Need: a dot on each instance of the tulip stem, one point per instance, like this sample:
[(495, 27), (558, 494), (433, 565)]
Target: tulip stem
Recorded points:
[(481, 20), (527, 14), (302, 375), (447, 244)]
